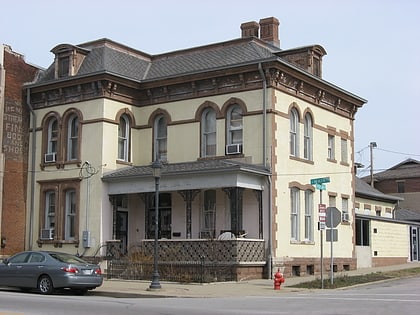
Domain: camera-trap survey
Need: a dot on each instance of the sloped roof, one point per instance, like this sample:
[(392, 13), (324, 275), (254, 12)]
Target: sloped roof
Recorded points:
[(407, 215), (198, 167), (106, 56), (409, 168), (365, 190)]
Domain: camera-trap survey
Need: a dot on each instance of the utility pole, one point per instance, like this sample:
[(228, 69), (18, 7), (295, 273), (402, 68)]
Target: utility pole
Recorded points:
[(371, 145)]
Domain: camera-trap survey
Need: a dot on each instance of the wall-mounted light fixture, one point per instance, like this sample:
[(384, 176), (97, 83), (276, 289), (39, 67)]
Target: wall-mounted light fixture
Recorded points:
[(3, 242)]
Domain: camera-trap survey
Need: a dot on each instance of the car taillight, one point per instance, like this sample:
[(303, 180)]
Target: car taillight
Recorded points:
[(70, 269), (98, 271)]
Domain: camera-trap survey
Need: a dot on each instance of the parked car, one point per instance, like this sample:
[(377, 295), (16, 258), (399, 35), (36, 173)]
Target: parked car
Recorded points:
[(48, 270)]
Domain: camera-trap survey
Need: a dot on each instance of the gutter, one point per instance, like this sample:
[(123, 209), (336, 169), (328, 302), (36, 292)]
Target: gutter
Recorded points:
[(270, 210), (32, 171)]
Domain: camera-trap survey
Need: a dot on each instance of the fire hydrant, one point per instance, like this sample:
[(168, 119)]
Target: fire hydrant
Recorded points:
[(278, 280)]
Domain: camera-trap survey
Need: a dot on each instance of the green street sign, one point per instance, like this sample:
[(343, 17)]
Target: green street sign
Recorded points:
[(321, 180), (321, 187)]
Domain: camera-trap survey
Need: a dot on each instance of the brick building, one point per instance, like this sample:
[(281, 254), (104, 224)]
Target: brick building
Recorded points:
[(14, 122)]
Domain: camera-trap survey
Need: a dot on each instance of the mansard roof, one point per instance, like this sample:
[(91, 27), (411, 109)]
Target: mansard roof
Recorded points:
[(106, 56)]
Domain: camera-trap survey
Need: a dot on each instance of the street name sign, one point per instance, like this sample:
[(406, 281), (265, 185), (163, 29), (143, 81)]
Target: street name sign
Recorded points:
[(321, 180)]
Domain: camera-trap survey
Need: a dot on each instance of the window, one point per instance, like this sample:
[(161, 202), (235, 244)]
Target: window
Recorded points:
[(332, 200), (307, 138), (401, 187), (50, 210), (331, 147), (309, 205), (52, 136), (208, 133), (63, 66), (73, 138), (362, 232), (61, 137), (70, 209), (234, 124), (345, 209), (294, 133), (60, 202), (208, 228), (160, 139), (123, 138), (344, 151), (294, 213)]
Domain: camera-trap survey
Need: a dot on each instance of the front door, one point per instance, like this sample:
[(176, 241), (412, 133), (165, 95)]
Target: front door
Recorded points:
[(414, 242), (122, 230), (165, 217)]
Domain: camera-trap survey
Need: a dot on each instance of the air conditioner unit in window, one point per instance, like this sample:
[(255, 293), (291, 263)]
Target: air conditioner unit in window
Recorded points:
[(234, 148), (50, 157), (345, 217), (47, 234)]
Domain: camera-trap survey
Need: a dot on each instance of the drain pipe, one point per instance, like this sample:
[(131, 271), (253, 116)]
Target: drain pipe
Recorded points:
[(264, 139), (32, 199)]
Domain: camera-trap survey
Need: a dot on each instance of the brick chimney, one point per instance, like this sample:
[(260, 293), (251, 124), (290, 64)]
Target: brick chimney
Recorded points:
[(250, 29), (269, 28)]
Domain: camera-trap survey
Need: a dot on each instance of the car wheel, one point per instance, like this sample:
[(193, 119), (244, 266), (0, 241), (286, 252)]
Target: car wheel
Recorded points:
[(45, 285)]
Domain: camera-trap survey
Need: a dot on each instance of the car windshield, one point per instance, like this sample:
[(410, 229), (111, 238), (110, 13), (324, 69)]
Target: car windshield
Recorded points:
[(68, 259)]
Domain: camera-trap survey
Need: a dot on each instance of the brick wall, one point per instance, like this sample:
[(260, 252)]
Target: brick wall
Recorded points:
[(15, 149)]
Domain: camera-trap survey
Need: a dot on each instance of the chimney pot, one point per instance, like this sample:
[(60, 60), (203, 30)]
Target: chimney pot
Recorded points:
[(250, 29), (269, 30)]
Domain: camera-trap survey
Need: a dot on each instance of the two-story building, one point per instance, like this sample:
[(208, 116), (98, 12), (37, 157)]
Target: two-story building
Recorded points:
[(14, 121), (240, 128)]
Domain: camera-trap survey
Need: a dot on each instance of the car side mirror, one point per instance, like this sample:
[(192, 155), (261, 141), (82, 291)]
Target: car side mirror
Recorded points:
[(5, 261)]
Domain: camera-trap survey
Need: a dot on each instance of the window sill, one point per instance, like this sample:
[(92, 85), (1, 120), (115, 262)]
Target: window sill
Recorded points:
[(295, 158), (331, 160), (124, 162), (304, 242)]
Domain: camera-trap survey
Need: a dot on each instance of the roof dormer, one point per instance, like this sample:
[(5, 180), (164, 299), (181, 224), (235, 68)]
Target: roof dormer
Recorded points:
[(68, 59)]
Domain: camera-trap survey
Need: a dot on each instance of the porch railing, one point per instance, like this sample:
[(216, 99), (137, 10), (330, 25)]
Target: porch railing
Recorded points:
[(188, 260)]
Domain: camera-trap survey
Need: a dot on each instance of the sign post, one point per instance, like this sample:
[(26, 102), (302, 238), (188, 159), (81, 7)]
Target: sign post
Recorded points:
[(320, 185), (333, 220)]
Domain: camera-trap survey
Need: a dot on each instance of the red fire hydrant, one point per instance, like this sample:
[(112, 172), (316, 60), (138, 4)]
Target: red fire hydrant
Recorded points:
[(278, 279)]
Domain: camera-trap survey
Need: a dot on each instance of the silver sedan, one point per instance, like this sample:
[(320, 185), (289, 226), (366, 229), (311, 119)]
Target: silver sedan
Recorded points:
[(48, 270)]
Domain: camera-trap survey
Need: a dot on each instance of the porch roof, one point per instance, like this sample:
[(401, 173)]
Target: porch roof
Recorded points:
[(204, 174)]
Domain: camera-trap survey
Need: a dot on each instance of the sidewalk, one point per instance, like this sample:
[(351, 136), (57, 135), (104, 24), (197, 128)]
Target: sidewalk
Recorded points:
[(259, 287)]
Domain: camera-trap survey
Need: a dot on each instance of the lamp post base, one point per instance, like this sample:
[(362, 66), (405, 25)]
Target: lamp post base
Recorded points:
[(155, 285)]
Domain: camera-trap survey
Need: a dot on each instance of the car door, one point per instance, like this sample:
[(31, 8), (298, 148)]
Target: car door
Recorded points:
[(31, 270), (10, 273)]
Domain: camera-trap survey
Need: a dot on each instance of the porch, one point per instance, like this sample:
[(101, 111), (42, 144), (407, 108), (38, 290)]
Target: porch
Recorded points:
[(189, 260)]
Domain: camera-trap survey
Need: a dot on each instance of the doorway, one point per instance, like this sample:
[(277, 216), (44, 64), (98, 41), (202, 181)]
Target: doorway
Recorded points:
[(165, 217), (414, 243), (122, 230)]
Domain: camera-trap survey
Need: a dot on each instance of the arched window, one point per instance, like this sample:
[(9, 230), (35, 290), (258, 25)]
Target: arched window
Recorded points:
[(234, 130), (307, 137), (208, 133), (123, 138), (294, 132), (161, 138), (73, 138), (52, 140)]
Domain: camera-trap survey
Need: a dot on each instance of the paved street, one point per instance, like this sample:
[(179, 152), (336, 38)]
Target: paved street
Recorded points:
[(391, 297)]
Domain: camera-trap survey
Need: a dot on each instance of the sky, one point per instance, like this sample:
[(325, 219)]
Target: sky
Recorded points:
[(373, 47)]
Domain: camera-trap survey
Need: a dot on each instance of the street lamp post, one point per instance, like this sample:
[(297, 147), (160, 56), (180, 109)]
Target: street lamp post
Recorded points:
[(156, 168)]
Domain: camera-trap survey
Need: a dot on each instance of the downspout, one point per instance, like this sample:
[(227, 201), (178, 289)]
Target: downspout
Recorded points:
[(264, 139), (32, 197)]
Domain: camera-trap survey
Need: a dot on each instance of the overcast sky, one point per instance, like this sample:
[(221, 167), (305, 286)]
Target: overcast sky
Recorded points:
[(373, 47)]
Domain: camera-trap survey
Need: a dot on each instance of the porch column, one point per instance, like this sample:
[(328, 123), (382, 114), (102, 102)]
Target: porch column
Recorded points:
[(188, 196), (235, 197), (113, 200), (258, 195)]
